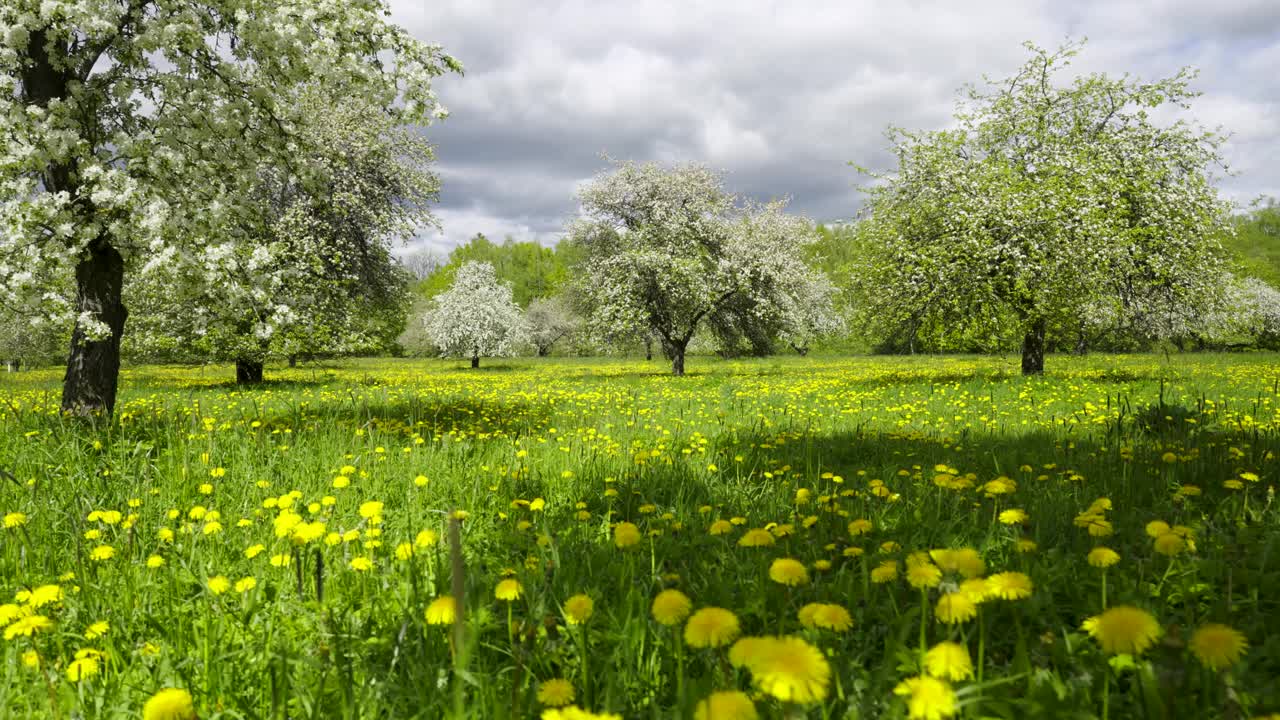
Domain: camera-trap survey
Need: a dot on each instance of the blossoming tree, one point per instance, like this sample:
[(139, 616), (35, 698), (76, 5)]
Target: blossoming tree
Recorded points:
[(669, 249), (1044, 201), (316, 274), (134, 127), (476, 317)]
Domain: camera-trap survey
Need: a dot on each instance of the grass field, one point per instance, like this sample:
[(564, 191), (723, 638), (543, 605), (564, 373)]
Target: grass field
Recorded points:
[(282, 551)]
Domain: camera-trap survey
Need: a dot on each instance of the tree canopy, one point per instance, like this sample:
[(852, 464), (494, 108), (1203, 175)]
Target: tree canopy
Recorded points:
[(1047, 203), (476, 317), (135, 129)]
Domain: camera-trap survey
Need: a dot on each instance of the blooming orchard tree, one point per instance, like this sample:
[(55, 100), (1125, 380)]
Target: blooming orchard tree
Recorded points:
[(134, 130), (306, 268), (668, 249), (810, 313), (548, 321), (476, 316), (1043, 202)]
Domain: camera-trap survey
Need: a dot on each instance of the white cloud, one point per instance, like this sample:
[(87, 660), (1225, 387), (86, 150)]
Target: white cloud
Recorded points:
[(784, 94)]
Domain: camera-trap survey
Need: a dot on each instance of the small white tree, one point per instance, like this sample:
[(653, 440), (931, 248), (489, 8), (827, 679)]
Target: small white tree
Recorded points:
[(548, 321), (476, 316), (809, 312)]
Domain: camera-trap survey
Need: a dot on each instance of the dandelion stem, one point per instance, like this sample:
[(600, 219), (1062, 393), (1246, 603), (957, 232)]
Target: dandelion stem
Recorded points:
[(924, 620), (982, 643)]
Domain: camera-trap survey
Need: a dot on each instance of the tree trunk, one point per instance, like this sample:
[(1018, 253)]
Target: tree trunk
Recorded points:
[(475, 361), (248, 372), (12, 365), (677, 357), (93, 365), (544, 350), (648, 347), (293, 361), (1033, 349)]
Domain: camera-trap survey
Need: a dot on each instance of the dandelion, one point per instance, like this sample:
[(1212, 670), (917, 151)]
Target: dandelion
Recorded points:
[(442, 611), (1123, 629), (927, 698), (371, 509), (1156, 528), (721, 527), (1218, 646), (84, 666), (1169, 544), (956, 607), (508, 590), (923, 574), (218, 584), (96, 630), (404, 551), (886, 571), (1009, 586), (949, 661), (757, 537), (245, 584), (860, 527), (965, 561), (626, 535), (254, 551), (711, 627), (169, 704), (102, 553), (791, 670), (44, 595), (555, 692), (1103, 557), (27, 626), (726, 705), (788, 571), (578, 609), (670, 607), (831, 617), (1014, 517), (14, 520)]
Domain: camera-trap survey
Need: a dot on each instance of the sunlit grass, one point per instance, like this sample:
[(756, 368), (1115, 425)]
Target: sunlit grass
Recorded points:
[(274, 550)]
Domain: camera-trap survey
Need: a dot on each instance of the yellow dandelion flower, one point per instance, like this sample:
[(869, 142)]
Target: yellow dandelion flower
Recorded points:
[(44, 595), (923, 574), (626, 535), (1218, 646), (791, 670), (886, 571), (578, 609), (788, 571), (860, 527), (102, 553), (1123, 629), (711, 627), (245, 584), (1009, 586), (956, 607), (670, 607), (556, 692), (721, 527), (726, 705), (27, 626), (1014, 516), (927, 698), (1103, 557), (442, 611), (97, 630), (170, 704), (14, 520), (218, 584), (831, 617), (757, 537), (1170, 544), (949, 661), (1156, 528), (508, 590)]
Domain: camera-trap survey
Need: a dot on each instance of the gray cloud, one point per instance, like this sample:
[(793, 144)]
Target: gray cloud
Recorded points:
[(782, 95)]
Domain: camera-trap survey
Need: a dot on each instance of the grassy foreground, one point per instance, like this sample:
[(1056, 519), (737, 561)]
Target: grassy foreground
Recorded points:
[(910, 537)]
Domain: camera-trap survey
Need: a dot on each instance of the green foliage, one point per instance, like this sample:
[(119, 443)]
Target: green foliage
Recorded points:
[(532, 269), (1255, 243)]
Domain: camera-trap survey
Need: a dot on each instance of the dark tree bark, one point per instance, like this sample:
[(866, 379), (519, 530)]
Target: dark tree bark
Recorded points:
[(544, 350), (1033, 349), (248, 372), (475, 361), (93, 366), (293, 361), (677, 349), (648, 347)]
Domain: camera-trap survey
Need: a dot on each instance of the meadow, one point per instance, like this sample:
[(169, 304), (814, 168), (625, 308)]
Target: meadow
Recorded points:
[(829, 537)]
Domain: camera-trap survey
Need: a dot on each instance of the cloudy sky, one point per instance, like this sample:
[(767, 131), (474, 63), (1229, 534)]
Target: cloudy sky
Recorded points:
[(783, 95)]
